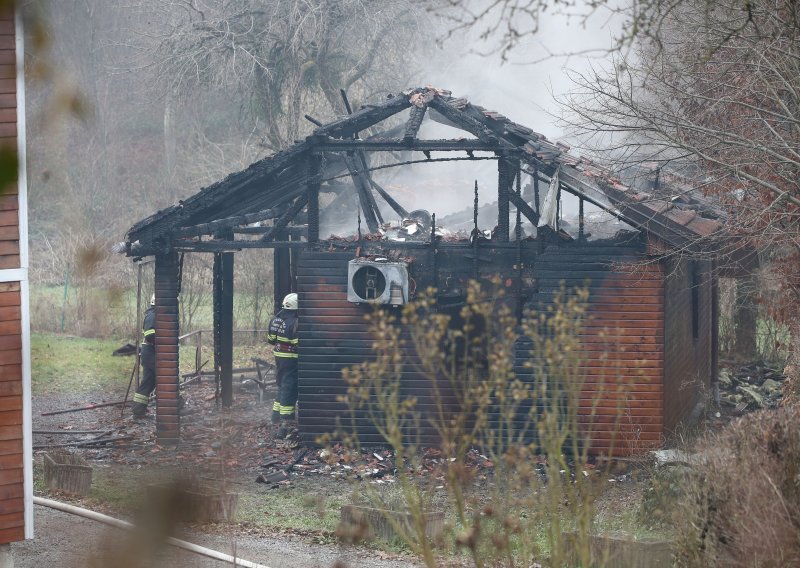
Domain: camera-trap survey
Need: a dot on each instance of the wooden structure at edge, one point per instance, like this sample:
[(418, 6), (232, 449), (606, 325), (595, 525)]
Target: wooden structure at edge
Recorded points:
[(15, 467), (653, 310)]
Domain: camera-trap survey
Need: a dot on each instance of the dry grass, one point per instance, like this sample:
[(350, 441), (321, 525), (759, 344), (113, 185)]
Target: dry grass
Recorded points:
[(741, 505)]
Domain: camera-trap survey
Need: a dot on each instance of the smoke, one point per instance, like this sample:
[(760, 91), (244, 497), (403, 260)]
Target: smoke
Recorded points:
[(524, 89)]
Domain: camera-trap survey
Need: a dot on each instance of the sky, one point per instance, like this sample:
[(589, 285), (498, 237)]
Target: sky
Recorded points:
[(523, 89)]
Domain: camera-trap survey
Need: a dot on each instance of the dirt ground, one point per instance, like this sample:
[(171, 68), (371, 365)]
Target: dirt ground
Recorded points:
[(234, 444), (70, 541)]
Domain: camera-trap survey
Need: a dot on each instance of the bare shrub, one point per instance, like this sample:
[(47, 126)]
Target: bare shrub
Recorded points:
[(741, 502), (531, 425)]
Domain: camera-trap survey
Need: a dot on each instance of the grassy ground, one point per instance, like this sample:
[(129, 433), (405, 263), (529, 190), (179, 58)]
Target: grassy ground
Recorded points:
[(62, 363), (309, 505), (68, 364), (111, 312)]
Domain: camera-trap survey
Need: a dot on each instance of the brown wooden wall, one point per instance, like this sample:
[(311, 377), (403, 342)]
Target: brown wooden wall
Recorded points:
[(167, 351), (688, 362), (624, 339), (12, 513), (11, 463), (9, 205)]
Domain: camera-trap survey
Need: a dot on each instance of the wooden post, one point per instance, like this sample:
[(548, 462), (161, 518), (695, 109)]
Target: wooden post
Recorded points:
[(715, 333), (505, 180), (216, 301), (223, 323), (166, 290), (312, 187), (227, 329)]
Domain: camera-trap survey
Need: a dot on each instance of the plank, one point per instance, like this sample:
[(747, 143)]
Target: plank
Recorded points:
[(8, 403), (10, 327), (15, 516), (11, 356), (8, 342), (9, 261), (15, 534), (8, 476), (11, 491), (10, 418), (9, 218), (10, 372), (11, 461)]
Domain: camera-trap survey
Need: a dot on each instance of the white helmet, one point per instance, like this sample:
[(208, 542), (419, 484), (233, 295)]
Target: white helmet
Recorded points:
[(153, 299), (290, 302)]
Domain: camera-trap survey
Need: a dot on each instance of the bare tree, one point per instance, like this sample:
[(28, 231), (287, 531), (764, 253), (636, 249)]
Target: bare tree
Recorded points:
[(715, 94), (283, 58)]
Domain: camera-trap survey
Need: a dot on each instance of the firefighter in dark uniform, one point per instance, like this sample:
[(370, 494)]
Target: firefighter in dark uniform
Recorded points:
[(283, 335), (147, 358)]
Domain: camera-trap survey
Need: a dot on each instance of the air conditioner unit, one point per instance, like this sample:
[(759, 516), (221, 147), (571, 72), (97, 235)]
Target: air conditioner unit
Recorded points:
[(376, 282)]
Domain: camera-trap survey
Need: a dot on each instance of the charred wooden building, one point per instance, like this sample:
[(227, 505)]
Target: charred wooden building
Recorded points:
[(652, 287)]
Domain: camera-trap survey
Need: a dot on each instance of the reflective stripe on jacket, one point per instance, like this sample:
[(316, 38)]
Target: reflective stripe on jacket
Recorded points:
[(283, 334), (149, 325)]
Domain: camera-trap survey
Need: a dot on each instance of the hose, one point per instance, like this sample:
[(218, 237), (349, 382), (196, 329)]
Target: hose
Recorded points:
[(95, 516)]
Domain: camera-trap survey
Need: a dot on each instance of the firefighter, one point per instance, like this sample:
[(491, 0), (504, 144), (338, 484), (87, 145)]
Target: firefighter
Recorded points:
[(283, 335), (147, 358)]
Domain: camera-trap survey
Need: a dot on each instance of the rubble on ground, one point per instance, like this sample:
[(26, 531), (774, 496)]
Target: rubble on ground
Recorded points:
[(750, 386)]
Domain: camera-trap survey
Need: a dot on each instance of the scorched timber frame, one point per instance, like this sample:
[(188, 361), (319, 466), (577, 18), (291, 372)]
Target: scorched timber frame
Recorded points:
[(284, 190)]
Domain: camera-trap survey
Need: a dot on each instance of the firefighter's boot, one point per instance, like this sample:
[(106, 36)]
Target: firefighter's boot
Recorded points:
[(276, 412), (288, 427), (138, 409)]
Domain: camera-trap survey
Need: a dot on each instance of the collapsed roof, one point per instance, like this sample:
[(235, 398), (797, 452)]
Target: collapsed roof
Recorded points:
[(276, 187)]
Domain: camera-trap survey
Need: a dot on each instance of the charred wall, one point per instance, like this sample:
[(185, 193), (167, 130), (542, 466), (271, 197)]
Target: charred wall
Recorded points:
[(687, 369), (623, 340), (623, 360)]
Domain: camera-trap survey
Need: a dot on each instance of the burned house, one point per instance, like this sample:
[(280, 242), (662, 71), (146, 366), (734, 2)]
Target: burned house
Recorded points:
[(652, 286)]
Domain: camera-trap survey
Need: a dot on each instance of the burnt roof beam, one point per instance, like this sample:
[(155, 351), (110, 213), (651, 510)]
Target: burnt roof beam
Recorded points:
[(214, 195), (470, 124), (634, 213), (524, 208), (414, 123), (364, 118), (234, 245), (228, 222), (286, 217), (399, 209), (385, 145), (365, 197)]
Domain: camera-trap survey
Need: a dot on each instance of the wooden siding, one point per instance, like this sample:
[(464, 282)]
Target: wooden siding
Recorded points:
[(12, 494), (12, 524), (623, 358), (623, 340), (9, 201), (166, 292), (688, 361)]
